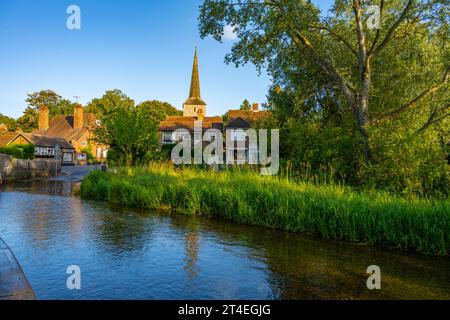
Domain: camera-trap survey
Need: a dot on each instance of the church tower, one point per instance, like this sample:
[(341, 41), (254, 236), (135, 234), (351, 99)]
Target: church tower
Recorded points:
[(194, 106)]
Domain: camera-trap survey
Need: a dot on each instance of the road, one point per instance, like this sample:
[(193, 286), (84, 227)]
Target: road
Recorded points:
[(75, 173)]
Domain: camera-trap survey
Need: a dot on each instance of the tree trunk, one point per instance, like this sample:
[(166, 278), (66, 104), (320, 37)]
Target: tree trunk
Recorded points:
[(365, 81)]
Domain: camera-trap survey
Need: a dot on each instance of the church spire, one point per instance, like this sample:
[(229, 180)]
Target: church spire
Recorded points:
[(195, 80), (194, 106)]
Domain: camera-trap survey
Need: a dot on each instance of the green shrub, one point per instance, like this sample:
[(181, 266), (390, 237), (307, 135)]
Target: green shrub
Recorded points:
[(89, 156), (19, 151)]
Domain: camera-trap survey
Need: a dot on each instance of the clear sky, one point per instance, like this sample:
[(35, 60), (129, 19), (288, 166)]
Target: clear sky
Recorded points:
[(143, 47)]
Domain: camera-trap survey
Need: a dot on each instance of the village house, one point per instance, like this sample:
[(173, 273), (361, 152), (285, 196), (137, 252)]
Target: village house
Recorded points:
[(44, 147), (238, 124), (3, 127), (77, 129)]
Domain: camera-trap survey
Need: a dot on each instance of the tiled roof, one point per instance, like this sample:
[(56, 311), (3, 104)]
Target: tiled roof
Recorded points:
[(6, 137), (34, 139), (43, 141), (62, 127), (247, 115), (176, 122)]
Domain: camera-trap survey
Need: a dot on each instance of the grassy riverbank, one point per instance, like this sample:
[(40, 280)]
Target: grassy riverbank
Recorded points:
[(332, 211)]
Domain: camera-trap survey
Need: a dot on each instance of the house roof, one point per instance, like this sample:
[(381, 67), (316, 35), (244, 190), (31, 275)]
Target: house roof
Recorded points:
[(175, 122), (62, 127), (238, 123), (247, 115), (34, 139), (3, 127), (6, 137), (44, 141)]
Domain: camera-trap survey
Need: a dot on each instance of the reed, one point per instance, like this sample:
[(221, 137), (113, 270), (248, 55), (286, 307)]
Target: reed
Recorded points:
[(330, 210)]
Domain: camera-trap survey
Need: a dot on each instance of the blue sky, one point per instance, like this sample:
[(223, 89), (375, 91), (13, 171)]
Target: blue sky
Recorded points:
[(143, 47)]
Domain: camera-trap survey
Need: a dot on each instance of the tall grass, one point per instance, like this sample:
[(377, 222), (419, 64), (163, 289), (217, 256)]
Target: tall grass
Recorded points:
[(333, 211)]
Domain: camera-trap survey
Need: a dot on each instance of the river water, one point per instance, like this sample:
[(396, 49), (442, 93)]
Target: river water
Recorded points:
[(130, 254)]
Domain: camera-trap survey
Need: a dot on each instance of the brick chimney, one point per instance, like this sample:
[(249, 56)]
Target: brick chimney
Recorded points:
[(78, 117), (255, 107), (43, 118)]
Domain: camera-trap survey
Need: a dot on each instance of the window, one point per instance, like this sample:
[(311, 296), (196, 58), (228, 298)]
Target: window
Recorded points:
[(67, 157), (98, 123), (238, 135), (167, 137), (83, 143)]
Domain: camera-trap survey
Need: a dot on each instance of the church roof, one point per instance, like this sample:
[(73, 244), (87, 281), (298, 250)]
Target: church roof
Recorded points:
[(194, 93)]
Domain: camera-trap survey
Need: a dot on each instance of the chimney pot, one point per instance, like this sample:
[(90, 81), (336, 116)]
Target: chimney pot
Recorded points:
[(255, 107)]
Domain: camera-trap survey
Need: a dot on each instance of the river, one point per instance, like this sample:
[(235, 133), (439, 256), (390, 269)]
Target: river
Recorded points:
[(132, 254)]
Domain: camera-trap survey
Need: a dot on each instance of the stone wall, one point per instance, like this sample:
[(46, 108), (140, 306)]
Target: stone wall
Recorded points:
[(15, 169)]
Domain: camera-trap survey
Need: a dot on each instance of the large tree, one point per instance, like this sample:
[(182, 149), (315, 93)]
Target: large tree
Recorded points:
[(158, 111), (130, 131), (57, 106), (110, 100), (340, 56), (9, 122)]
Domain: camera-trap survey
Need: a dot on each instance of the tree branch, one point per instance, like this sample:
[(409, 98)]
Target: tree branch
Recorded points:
[(432, 120), (431, 90), (337, 36), (394, 27), (377, 37), (347, 90)]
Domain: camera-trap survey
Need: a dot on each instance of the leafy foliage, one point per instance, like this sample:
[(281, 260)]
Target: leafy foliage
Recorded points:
[(9, 122), (130, 131), (108, 102), (19, 151), (57, 106), (346, 96), (246, 105)]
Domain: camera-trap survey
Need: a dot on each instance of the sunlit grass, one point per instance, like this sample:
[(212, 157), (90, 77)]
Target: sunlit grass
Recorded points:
[(331, 210)]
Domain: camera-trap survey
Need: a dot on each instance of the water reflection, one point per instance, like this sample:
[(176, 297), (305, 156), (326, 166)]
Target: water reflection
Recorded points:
[(192, 243), (133, 254)]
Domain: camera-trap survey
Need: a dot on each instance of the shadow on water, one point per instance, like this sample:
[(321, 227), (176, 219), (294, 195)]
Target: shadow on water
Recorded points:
[(136, 254)]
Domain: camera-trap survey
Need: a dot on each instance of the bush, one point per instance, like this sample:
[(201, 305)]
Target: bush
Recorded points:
[(89, 156), (19, 151)]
